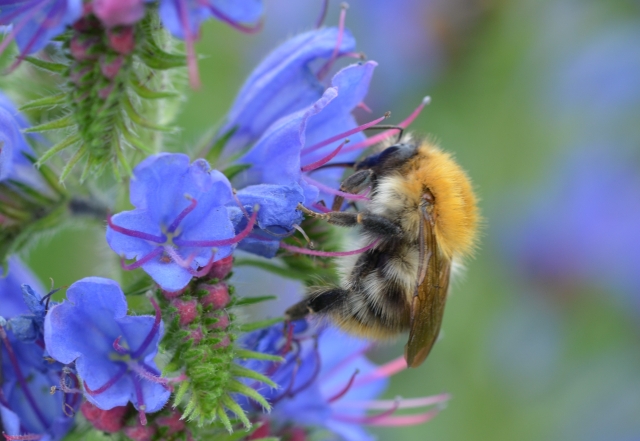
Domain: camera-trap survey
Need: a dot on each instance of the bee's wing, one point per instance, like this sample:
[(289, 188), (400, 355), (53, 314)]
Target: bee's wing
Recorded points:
[(429, 299)]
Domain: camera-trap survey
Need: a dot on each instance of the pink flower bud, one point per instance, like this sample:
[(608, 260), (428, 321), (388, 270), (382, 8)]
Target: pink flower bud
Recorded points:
[(221, 268), (173, 422), (110, 420), (140, 433), (187, 310), (223, 343), (118, 12), (173, 294), (123, 41), (110, 68), (80, 48), (218, 295), (196, 335), (105, 92), (223, 322)]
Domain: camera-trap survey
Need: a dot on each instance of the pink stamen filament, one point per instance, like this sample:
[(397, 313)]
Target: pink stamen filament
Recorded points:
[(333, 191), (192, 205), (136, 234), (316, 371), (345, 389), (340, 366), (404, 403), (387, 133), (223, 242), (320, 207), (118, 347), (384, 371), (323, 13), (113, 380), (247, 29), (30, 437), (145, 374), (192, 59), (205, 269), (152, 332), (137, 264), (64, 387), (140, 398), (323, 161), (404, 420), (364, 107), (369, 419), (294, 249), (21, 379), (288, 391), (343, 135), (183, 263), (287, 344), (17, 27), (324, 70)]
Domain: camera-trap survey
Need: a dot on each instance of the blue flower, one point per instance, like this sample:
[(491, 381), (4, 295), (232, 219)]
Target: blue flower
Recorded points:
[(183, 19), (29, 327), (36, 22), (11, 299), (114, 356), (327, 382), (291, 148), (283, 83), (180, 222)]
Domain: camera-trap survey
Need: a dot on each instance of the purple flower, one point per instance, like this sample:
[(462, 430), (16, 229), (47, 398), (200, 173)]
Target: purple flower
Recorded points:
[(582, 226), (11, 299), (283, 83), (180, 222), (295, 145), (36, 22), (327, 382), (119, 12), (114, 356), (183, 19)]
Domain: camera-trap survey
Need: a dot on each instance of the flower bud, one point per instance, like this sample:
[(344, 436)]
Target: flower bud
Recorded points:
[(173, 422), (217, 297), (118, 12), (140, 433), (110, 421), (123, 41), (110, 67), (187, 310), (221, 268), (80, 48)]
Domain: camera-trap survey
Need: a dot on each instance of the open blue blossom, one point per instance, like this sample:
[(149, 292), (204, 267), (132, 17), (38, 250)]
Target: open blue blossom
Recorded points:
[(326, 382), (114, 356), (180, 223), (11, 299), (283, 83), (36, 22), (27, 406), (298, 144), (183, 19)]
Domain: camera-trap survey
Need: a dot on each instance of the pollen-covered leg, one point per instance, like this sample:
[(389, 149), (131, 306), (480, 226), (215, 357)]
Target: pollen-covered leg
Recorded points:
[(353, 184), (373, 223), (319, 300)]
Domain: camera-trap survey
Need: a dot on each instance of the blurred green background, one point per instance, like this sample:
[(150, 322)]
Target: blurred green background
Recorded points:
[(537, 345)]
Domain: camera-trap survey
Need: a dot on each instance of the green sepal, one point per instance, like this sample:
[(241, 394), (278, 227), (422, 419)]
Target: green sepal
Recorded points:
[(248, 327), (240, 388), (234, 407), (156, 58), (246, 354), (47, 101), (144, 92), (243, 372), (60, 123), (47, 65), (67, 142), (136, 118), (244, 301)]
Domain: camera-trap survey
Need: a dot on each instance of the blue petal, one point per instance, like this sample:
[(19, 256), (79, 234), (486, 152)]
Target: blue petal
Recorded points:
[(278, 205), (170, 15), (36, 30), (11, 301), (132, 247), (241, 11), (282, 84), (9, 144)]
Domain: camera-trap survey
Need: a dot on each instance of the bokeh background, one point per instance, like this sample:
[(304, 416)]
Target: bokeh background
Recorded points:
[(540, 101)]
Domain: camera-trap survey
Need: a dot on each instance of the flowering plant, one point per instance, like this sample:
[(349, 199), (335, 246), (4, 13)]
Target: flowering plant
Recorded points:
[(196, 367)]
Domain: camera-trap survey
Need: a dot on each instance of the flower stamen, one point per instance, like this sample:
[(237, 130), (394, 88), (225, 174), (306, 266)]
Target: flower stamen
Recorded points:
[(29, 437), (345, 389), (118, 347), (113, 380), (223, 242), (387, 133), (192, 205), (138, 263), (384, 371), (152, 332), (192, 59), (342, 135), (247, 29), (140, 398), (324, 70), (319, 163), (333, 191), (136, 234)]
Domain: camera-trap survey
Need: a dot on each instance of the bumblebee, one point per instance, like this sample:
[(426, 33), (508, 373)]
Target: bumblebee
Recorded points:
[(423, 218)]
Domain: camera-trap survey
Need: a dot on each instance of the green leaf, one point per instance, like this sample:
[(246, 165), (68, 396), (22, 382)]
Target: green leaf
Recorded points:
[(235, 408), (67, 142), (218, 146), (46, 65), (240, 371), (237, 387), (244, 301), (146, 93), (180, 394), (248, 327), (80, 153), (47, 101), (245, 354), (232, 171), (60, 123)]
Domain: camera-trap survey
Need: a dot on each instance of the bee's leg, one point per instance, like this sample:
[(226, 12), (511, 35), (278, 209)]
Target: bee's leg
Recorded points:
[(353, 184), (373, 223), (320, 300)]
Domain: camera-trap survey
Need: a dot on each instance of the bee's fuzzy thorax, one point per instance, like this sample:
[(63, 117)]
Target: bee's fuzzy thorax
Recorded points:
[(456, 212)]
